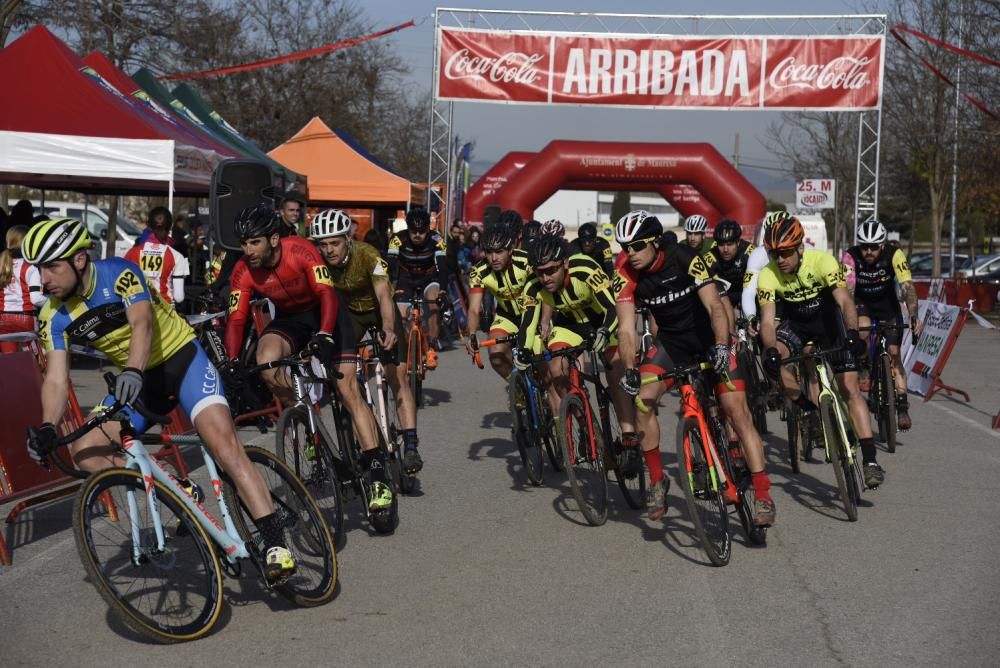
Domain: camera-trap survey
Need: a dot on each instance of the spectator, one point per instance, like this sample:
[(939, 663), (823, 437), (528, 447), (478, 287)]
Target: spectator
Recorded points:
[(292, 211), (456, 239), (4, 226), (160, 262), (178, 236), (21, 214), (470, 253), (22, 289)]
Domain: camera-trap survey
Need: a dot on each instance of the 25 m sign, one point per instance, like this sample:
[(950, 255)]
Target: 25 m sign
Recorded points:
[(815, 194)]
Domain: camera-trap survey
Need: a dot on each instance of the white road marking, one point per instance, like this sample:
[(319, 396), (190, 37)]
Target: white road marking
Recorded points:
[(981, 427)]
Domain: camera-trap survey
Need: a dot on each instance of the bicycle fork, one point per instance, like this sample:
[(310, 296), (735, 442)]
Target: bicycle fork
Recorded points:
[(716, 472)]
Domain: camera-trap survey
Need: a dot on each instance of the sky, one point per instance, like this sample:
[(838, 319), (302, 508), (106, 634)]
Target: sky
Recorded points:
[(497, 129)]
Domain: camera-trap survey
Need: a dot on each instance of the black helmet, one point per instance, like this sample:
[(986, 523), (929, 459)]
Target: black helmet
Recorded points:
[(587, 232), (512, 219), (418, 218), (531, 230), (496, 237), (257, 221), (727, 231), (545, 249)]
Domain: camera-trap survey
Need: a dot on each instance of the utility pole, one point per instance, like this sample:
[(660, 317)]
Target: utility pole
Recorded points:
[(954, 154)]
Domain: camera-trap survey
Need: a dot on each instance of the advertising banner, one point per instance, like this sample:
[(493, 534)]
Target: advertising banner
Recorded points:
[(925, 361), (832, 72), (815, 194)]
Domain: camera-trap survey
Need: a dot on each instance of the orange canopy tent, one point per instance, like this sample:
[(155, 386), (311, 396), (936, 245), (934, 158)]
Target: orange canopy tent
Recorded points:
[(340, 172)]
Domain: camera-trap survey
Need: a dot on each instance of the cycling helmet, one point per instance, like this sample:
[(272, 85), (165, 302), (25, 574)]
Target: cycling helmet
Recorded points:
[(257, 221), (52, 240), (531, 230), (511, 219), (553, 227), (496, 237), (418, 218), (872, 232), (773, 216), (727, 231), (545, 249), (330, 223), (587, 232), (637, 225), (784, 233), (695, 224)]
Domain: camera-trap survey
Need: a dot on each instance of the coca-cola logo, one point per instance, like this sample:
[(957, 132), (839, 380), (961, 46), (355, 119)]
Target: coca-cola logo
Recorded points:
[(511, 67), (841, 73), (814, 199)]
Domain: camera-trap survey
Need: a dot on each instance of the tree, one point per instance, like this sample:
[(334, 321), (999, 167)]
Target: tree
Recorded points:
[(8, 15)]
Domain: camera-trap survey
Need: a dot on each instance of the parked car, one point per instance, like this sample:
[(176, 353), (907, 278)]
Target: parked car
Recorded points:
[(984, 264), (96, 220), (921, 264)]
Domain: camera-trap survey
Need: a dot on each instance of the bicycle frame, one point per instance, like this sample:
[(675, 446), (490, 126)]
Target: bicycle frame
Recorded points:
[(577, 388), (379, 400), (691, 408), (224, 534), (824, 375)]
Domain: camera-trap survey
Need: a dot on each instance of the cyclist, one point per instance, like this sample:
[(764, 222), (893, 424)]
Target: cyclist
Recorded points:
[(504, 272), (567, 301), (727, 260), (291, 273), (361, 277), (673, 282), (696, 226), (816, 309), (518, 228), (597, 249), (418, 263), (553, 228), (871, 267), (758, 260), (531, 231), (107, 304), (161, 263)]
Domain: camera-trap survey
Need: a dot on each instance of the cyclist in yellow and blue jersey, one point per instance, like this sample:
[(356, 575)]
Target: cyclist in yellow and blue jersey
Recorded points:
[(108, 305), (566, 302), (816, 309), (504, 273)]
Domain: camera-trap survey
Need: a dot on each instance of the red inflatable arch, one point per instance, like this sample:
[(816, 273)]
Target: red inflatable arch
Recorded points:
[(484, 192), (627, 164)]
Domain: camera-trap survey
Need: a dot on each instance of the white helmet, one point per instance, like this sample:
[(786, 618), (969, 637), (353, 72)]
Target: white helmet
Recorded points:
[(330, 223), (637, 225), (554, 228), (695, 224), (872, 232)]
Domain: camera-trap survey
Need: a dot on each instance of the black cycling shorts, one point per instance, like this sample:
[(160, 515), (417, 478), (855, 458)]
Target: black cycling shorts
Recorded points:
[(887, 314), (363, 321), (298, 328), (407, 284), (825, 331), (667, 354)]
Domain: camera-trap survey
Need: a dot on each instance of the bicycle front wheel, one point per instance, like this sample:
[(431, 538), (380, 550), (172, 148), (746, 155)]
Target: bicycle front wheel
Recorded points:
[(414, 368), (306, 533), (311, 458), (632, 485), (792, 421), (887, 406), (836, 451), (526, 437), (165, 595), (703, 492), (584, 464)]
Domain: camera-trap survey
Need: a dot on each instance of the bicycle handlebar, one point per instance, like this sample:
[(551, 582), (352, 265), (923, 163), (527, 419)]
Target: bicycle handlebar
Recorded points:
[(677, 374), (295, 359)]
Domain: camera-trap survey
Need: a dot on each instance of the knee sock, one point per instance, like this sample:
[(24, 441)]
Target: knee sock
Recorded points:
[(868, 450), (655, 465), (271, 531), (761, 485)]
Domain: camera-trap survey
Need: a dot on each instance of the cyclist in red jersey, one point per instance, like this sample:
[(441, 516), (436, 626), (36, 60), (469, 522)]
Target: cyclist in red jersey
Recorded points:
[(291, 273)]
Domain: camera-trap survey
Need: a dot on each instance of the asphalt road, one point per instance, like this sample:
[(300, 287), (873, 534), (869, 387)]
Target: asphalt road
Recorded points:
[(486, 570)]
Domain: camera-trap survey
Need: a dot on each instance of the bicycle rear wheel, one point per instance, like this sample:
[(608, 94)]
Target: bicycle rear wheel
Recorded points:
[(306, 534), (167, 596), (632, 486), (792, 422), (836, 452), (703, 493), (414, 368), (584, 466), (757, 390), (526, 436), (548, 432), (310, 456), (887, 405)]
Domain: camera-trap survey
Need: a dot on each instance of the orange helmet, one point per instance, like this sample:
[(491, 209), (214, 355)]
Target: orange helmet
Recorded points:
[(783, 234)]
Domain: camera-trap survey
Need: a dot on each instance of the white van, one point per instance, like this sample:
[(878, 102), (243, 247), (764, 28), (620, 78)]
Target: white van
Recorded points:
[(96, 220), (814, 228)]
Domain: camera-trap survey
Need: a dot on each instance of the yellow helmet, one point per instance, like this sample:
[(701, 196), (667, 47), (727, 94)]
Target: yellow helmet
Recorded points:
[(55, 239)]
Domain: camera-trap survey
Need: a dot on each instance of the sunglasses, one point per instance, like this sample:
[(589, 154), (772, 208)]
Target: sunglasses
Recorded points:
[(783, 252), (871, 248), (548, 271), (636, 246)]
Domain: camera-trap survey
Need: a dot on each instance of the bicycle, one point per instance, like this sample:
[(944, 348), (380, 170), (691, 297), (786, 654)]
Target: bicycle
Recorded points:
[(303, 443), (839, 436), (710, 480), (588, 451), (416, 344), (371, 374), (882, 391), (146, 540), (758, 386), (533, 427)]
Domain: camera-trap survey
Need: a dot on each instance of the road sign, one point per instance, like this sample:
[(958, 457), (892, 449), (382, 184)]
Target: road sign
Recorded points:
[(815, 194)]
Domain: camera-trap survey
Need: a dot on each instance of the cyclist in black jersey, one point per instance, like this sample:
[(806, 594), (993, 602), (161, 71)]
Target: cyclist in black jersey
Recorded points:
[(874, 268), (597, 249), (727, 260), (673, 282), (418, 263)]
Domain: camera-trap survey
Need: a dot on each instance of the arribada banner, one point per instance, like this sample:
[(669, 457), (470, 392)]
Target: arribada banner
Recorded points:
[(834, 73)]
